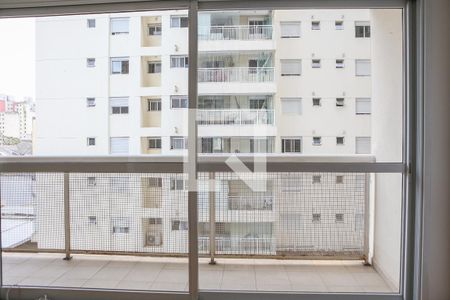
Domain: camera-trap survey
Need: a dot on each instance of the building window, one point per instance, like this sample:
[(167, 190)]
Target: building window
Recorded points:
[(121, 225), (90, 102), (119, 105), (339, 25), (362, 67), (362, 145), (290, 30), (315, 25), (316, 217), (179, 21), (176, 184), (120, 65), (91, 181), (316, 179), (339, 218), (154, 104), (362, 29), (179, 61), (179, 102), (178, 142), (91, 141), (153, 182), (317, 141), (339, 63), (91, 23), (339, 102), (363, 106), (291, 67), (291, 105), (179, 225), (90, 62), (154, 29), (317, 101), (154, 143), (340, 140), (92, 220), (258, 103), (154, 67), (120, 26), (316, 63), (119, 145), (340, 179), (291, 145)]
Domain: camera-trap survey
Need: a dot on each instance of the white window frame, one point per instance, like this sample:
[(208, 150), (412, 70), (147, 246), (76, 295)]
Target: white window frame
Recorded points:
[(317, 141), (316, 63), (92, 220), (154, 142), (157, 69), (117, 31), (292, 147), (91, 23), (364, 25), (179, 61), (118, 65), (340, 102), (119, 105), (154, 105), (339, 24), (317, 101), (91, 141), (90, 62), (176, 140), (157, 29), (177, 21), (340, 63), (292, 69), (315, 25), (179, 102), (361, 109), (90, 102)]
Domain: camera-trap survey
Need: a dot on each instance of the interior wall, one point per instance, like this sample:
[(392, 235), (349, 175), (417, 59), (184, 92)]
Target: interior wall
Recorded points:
[(387, 136), (436, 180)]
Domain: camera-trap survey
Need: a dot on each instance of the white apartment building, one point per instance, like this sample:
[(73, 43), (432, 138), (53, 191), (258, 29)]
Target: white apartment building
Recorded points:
[(16, 118), (282, 82)]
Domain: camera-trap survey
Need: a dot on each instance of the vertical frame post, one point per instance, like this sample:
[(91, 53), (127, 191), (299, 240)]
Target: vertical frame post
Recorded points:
[(367, 195), (192, 150), (67, 217), (212, 218)]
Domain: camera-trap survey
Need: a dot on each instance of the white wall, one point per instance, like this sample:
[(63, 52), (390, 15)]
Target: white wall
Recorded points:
[(387, 107)]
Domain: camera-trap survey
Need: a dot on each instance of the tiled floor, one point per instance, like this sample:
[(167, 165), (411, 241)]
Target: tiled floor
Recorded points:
[(156, 273)]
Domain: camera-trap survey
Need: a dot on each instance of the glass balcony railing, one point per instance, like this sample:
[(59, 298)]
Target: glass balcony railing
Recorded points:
[(235, 32), (235, 117), (236, 74)]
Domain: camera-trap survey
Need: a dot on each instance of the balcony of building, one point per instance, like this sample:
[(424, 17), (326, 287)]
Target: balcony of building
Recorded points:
[(243, 73), (151, 111), (236, 144), (150, 71), (151, 30), (221, 30), (235, 110), (302, 231)]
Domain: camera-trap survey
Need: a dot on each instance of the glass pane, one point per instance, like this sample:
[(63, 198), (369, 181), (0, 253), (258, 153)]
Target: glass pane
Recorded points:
[(303, 232), (52, 104)]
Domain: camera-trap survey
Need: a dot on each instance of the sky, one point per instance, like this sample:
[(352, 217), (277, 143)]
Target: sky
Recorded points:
[(17, 57)]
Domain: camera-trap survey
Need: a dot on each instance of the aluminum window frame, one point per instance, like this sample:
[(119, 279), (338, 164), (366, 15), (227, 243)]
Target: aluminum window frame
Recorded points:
[(410, 166)]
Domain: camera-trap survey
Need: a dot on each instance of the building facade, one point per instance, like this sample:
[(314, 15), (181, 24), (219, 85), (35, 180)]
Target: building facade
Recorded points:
[(262, 74)]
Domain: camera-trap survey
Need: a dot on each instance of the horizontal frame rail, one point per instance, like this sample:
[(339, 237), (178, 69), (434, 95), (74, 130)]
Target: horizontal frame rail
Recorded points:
[(355, 164)]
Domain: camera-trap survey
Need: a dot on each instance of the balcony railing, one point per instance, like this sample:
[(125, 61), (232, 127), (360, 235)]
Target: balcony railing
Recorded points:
[(235, 117), (236, 74), (239, 245), (235, 32), (105, 205)]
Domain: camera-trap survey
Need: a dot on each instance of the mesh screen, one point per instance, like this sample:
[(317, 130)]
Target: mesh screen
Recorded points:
[(293, 214)]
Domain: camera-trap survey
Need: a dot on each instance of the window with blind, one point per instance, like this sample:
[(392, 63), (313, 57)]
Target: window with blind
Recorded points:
[(362, 67), (291, 67), (120, 25), (291, 105), (290, 29), (363, 106), (118, 105), (119, 145)]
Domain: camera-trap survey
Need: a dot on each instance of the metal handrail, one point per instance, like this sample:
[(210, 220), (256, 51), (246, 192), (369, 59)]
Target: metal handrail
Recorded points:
[(206, 163), (236, 74), (235, 32), (235, 116)]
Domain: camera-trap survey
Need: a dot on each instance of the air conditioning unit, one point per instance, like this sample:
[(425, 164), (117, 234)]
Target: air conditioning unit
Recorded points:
[(153, 239)]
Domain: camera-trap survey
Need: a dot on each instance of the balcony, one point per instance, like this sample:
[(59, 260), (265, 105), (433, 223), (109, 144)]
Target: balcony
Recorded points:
[(235, 117), (236, 74), (126, 227), (235, 32)]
